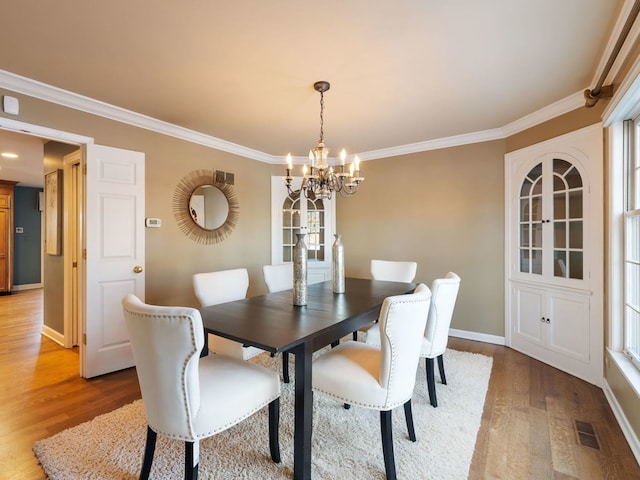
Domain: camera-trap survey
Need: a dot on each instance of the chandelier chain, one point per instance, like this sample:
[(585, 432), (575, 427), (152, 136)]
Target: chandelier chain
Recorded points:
[(321, 117)]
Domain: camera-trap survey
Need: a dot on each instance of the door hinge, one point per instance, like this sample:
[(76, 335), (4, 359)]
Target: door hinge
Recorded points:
[(84, 338), (84, 169), (84, 253), (74, 264)]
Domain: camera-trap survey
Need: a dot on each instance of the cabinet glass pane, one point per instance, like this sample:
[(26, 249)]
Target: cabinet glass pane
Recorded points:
[(287, 238), (525, 261), (559, 235), (525, 190), (560, 166), (536, 235), (575, 234), (560, 264), (524, 210), (286, 254), (575, 204), (576, 266), (536, 209), (559, 206), (574, 180), (524, 235), (536, 262), (558, 184), (286, 218), (537, 188)]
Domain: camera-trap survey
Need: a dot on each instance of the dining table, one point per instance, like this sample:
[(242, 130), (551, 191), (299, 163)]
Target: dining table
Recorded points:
[(273, 323)]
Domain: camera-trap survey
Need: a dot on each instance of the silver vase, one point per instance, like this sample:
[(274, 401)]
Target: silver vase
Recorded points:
[(300, 271), (338, 265)]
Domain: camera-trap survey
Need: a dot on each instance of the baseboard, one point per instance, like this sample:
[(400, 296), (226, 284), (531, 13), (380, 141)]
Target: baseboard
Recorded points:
[(628, 432), (480, 337), (27, 286), (53, 335)]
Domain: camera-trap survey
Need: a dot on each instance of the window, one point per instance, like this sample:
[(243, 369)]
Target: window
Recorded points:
[(631, 271)]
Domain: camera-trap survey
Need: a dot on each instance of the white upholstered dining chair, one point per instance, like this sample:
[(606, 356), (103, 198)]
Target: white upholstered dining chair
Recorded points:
[(380, 378), (444, 292), (213, 288), (390, 271), (278, 278), (186, 397)]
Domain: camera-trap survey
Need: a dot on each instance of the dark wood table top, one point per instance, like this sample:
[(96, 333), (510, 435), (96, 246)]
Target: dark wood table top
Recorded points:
[(273, 323)]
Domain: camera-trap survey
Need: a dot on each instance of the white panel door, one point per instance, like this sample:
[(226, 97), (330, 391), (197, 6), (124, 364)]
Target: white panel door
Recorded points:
[(114, 249)]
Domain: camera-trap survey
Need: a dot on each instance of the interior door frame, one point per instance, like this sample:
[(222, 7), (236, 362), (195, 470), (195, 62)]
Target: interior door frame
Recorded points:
[(64, 137)]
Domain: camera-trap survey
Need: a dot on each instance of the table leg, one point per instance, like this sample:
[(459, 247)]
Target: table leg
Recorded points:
[(303, 413)]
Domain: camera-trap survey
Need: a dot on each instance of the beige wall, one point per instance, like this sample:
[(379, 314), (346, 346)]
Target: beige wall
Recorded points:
[(443, 209)]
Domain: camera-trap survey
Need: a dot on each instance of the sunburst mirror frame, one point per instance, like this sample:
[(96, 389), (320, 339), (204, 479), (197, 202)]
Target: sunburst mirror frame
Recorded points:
[(182, 196)]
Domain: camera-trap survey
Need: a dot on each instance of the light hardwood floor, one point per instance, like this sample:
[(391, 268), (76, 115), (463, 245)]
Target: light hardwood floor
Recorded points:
[(527, 432)]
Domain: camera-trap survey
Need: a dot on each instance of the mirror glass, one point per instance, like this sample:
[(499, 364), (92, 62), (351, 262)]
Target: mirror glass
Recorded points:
[(209, 207)]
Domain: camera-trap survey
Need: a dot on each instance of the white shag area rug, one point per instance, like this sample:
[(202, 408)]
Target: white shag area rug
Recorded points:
[(346, 443)]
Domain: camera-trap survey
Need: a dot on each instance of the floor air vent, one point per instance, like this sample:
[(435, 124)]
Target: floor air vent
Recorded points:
[(586, 435)]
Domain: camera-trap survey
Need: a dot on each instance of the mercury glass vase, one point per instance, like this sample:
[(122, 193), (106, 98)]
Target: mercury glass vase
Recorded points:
[(338, 265), (300, 271)]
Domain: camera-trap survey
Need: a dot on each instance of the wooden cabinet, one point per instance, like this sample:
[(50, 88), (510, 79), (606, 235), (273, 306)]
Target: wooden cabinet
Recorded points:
[(554, 225), (6, 236)]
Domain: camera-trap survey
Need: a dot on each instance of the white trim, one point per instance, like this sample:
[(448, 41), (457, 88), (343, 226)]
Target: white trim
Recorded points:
[(69, 99), (26, 286), (626, 428), (65, 98), (45, 132), (480, 337), (53, 335)]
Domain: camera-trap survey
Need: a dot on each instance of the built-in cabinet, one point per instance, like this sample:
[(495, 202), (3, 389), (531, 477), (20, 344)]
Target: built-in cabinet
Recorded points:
[(554, 237), (6, 236)]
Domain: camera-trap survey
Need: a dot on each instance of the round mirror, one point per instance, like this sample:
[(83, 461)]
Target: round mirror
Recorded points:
[(206, 208), (209, 207)]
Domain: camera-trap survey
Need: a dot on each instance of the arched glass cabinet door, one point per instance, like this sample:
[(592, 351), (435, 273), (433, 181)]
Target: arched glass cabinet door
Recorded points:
[(551, 222), (314, 212)]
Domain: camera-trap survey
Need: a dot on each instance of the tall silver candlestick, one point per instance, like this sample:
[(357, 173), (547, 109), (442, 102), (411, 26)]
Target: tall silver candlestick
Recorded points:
[(338, 265), (300, 271)]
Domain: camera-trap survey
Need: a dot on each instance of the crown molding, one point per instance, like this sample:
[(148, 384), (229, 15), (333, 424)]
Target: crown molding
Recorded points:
[(42, 91), (65, 98)]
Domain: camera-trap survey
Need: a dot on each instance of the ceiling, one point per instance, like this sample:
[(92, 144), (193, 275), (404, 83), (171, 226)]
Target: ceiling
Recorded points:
[(243, 71)]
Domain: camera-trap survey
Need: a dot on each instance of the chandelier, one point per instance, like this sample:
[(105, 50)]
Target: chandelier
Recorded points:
[(320, 180)]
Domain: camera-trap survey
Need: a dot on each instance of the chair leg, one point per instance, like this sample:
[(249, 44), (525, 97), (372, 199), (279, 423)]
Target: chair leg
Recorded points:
[(285, 367), (431, 382), (387, 445), (149, 449), (408, 415), (443, 379), (190, 470), (274, 430), (355, 336)]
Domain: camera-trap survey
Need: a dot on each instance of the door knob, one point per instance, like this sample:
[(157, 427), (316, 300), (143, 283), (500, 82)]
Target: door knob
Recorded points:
[(137, 269)]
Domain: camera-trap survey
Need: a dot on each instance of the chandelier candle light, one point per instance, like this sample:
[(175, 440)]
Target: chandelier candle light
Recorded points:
[(320, 180)]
